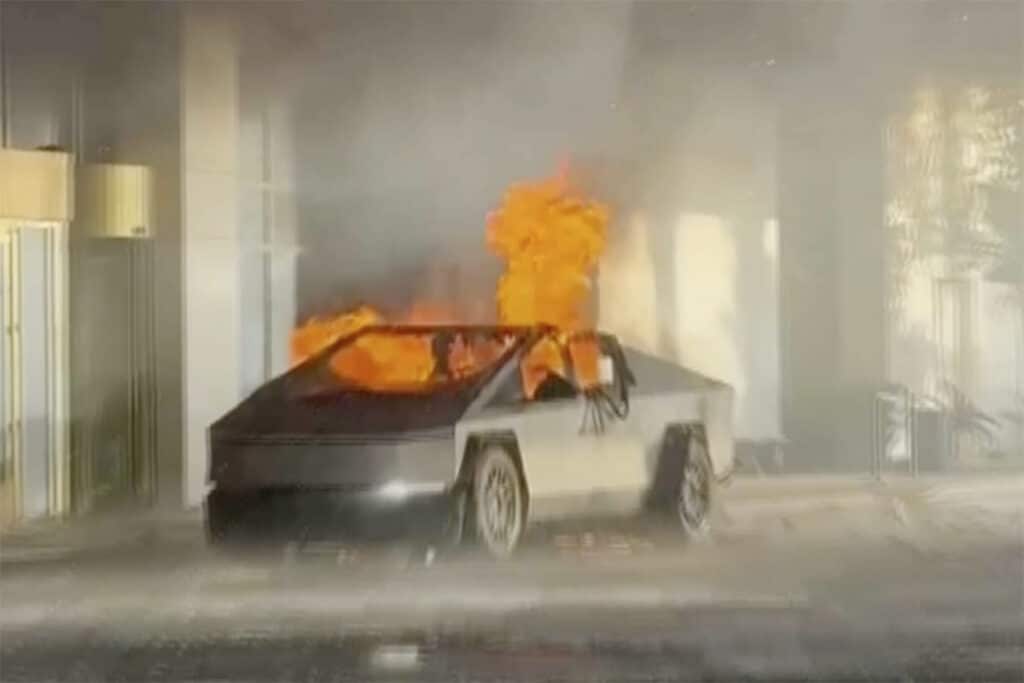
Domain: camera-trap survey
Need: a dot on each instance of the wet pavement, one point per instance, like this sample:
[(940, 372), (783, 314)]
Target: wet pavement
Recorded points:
[(839, 593)]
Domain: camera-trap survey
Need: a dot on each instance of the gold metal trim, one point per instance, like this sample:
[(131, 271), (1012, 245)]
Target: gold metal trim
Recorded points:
[(36, 186), (114, 200)]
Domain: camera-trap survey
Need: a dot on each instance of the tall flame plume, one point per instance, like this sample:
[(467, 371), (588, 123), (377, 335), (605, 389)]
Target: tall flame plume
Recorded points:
[(551, 238)]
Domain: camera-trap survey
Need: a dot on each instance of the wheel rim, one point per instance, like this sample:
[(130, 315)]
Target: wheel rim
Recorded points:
[(499, 507), (694, 492)]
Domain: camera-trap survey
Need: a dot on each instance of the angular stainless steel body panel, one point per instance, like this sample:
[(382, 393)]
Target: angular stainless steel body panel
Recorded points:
[(283, 437), (348, 464), (570, 470)]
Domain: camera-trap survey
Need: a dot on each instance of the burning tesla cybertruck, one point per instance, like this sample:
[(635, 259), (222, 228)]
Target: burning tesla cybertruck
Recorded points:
[(494, 427)]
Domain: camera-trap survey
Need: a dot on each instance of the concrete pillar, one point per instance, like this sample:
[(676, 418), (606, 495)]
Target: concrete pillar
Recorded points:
[(627, 287), (210, 239), (268, 240)]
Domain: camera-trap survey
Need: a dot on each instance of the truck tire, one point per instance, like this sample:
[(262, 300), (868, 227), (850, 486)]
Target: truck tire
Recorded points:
[(695, 490), (498, 501)]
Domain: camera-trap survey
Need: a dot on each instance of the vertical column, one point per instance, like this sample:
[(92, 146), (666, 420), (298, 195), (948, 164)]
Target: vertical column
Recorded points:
[(283, 237), (268, 241), (57, 363), (210, 187), (5, 100), (254, 224), (8, 488), (33, 330), (858, 144), (808, 259)]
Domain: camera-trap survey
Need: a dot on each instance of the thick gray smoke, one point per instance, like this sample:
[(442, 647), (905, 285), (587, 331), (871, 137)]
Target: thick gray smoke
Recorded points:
[(741, 146), (412, 119)]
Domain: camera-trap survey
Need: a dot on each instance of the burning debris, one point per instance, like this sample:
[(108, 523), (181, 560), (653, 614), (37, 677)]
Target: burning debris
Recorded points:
[(551, 238)]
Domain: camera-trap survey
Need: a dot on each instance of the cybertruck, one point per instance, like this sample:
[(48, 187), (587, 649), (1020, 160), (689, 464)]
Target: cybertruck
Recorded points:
[(310, 454)]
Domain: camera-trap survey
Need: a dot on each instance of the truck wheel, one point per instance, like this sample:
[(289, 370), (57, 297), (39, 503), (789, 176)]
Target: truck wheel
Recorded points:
[(222, 536), (693, 499), (217, 529), (498, 501)]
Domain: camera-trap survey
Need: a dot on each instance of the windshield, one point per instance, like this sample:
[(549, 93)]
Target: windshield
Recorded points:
[(408, 361)]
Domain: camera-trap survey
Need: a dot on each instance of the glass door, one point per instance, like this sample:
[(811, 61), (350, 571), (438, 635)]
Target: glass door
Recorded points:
[(112, 374), (9, 490), (33, 370)]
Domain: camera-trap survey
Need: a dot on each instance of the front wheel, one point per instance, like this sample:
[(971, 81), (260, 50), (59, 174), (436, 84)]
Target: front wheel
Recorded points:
[(498, 501), (693, 499)]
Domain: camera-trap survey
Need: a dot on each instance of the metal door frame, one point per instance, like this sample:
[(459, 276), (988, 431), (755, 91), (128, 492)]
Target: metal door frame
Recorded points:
[(55, 265)]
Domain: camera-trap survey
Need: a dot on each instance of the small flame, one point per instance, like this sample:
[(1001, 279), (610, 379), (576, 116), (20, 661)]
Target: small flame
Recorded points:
[(544, 359), (424, 313), (586, 360), (319, 332), (464, 358)]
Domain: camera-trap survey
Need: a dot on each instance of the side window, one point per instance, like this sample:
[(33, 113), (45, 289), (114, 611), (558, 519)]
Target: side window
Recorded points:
[(558, 368), (546, 372), (509, 392), (554, 386)]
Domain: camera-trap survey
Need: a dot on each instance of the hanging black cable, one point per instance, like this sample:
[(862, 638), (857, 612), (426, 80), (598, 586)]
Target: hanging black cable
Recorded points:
[(603, 403)]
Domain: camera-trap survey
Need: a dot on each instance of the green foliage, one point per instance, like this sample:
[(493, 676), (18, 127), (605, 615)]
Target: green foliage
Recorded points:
[(954, 182), (966, 418)]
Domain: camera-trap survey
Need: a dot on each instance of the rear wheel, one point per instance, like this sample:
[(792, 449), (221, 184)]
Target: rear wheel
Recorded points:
[(694, 493), (498, 501)]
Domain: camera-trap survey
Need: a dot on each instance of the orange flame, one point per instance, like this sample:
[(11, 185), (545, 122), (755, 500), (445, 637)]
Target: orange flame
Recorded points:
[(545, 358), (586, 358), (464, 359), (318, 333), (423, 313), (406, 362), (394, 362), (551, 238)]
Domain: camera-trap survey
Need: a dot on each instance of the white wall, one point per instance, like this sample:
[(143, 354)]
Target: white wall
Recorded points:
[(1000, 369), (268, 226), (210, 218), (239, 223), (692, 268)]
